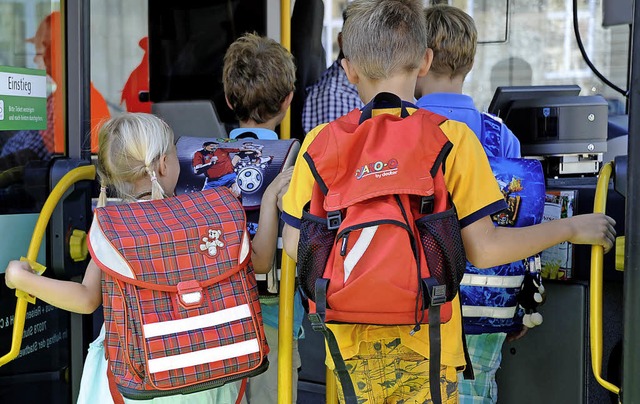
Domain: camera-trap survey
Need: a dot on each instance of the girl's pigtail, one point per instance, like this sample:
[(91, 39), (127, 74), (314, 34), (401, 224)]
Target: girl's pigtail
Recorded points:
[(102, 198), (156, 189)]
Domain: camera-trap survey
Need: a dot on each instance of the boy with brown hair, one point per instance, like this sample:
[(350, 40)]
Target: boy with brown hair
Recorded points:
[(385, 49), (259, 78), (488, 322)]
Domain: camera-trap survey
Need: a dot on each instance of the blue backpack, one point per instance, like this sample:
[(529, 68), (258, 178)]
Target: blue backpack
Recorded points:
[(489, 297)]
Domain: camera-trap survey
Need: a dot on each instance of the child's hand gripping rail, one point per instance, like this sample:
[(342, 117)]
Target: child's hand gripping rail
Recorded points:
[(87, 172), (595, 284)]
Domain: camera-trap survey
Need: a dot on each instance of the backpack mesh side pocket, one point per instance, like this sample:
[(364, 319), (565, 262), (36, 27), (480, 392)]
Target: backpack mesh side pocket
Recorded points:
[(442, 242), (314, 248)]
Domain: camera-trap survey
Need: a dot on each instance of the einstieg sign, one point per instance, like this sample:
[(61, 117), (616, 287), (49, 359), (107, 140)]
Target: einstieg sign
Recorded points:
[(23, 99)]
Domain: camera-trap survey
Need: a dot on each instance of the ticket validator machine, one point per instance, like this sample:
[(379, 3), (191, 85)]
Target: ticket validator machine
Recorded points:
[(568, 134)]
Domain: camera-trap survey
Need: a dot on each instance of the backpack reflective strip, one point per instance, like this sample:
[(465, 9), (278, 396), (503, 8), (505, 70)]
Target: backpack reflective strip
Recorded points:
[(358, 250), (492, 281), (245, 249), (203, 356), (485, 311), (105, 253), (196, 322)]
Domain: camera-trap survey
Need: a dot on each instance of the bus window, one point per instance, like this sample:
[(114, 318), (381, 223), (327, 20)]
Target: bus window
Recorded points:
[(28, 50), (332, 26), (119, 56), (549, 56)]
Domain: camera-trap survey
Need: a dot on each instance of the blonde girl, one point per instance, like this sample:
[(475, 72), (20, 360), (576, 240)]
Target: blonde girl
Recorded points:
[(137, 160)]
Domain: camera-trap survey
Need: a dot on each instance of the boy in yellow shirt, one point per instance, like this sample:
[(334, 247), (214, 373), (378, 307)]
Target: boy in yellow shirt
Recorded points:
[(384, 42)]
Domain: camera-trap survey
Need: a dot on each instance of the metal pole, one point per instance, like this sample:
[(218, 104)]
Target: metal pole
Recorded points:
[(288, 275), (77, 61), (631, 341), (285, 40)]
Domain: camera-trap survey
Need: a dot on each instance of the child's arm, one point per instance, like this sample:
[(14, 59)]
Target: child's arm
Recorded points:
[(83, 298), (290, 239), (263, 245), (487, 246)]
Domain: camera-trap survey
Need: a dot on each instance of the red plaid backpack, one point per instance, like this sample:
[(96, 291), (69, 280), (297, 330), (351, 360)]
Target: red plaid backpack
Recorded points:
[(179, 294), (380, 240)]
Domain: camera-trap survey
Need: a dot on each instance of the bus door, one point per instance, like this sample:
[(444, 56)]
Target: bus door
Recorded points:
[(44, 133)]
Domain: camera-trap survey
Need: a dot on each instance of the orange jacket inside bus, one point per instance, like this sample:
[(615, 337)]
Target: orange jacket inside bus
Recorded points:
[(49, 56)]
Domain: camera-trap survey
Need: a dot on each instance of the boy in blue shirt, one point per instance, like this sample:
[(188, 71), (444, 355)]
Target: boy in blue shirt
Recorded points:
[(452, 36)]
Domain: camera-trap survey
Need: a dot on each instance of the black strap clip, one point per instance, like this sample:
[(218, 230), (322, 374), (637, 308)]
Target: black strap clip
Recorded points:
[(436, 294), (334, 220), (317, 323), (426, 204)]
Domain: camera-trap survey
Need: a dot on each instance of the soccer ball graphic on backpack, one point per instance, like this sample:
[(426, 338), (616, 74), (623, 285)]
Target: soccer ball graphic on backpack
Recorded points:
[(250, 179)]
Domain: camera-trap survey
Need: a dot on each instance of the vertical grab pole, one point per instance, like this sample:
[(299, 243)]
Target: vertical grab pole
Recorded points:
[(331, 387), (288, 275), (285, 40), (285, 330), (595, 285), (287, 280), (631, 309)]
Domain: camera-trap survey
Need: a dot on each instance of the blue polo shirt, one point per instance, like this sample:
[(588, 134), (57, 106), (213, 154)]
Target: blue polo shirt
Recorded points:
[(460, 107)]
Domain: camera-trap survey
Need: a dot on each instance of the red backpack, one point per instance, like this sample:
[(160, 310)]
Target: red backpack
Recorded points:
[(179, 294), (380, 240)]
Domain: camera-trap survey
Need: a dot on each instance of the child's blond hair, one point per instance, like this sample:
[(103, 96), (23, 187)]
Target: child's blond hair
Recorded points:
[(384, 37), (130, 147), (258, 75), (452, 35)]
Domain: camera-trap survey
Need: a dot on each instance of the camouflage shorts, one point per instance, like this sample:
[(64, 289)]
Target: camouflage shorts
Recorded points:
[(388, 372)]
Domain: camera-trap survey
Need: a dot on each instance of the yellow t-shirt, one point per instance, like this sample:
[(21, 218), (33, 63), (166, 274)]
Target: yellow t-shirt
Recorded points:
[(475, 194)]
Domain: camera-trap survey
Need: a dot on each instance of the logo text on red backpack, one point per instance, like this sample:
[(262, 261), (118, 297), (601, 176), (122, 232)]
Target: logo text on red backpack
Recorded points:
[(378, 168)]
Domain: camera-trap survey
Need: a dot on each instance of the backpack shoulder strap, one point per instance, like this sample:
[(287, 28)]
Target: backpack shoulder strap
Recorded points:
[(438, 120), (352, 117)]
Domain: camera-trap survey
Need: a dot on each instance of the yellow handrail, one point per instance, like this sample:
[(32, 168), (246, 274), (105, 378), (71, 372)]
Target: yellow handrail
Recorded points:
[(77, 174), (288, 274), (331, 385), (285, 330), (285, 40), (595, 284)]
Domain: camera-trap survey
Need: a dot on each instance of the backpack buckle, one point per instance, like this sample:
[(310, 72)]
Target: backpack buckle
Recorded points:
[(190, 294), (426, 204), (317, 324), (436, 294), (334, 220)]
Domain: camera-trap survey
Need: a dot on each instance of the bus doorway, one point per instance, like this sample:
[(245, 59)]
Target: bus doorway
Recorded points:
[(31, 72)]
